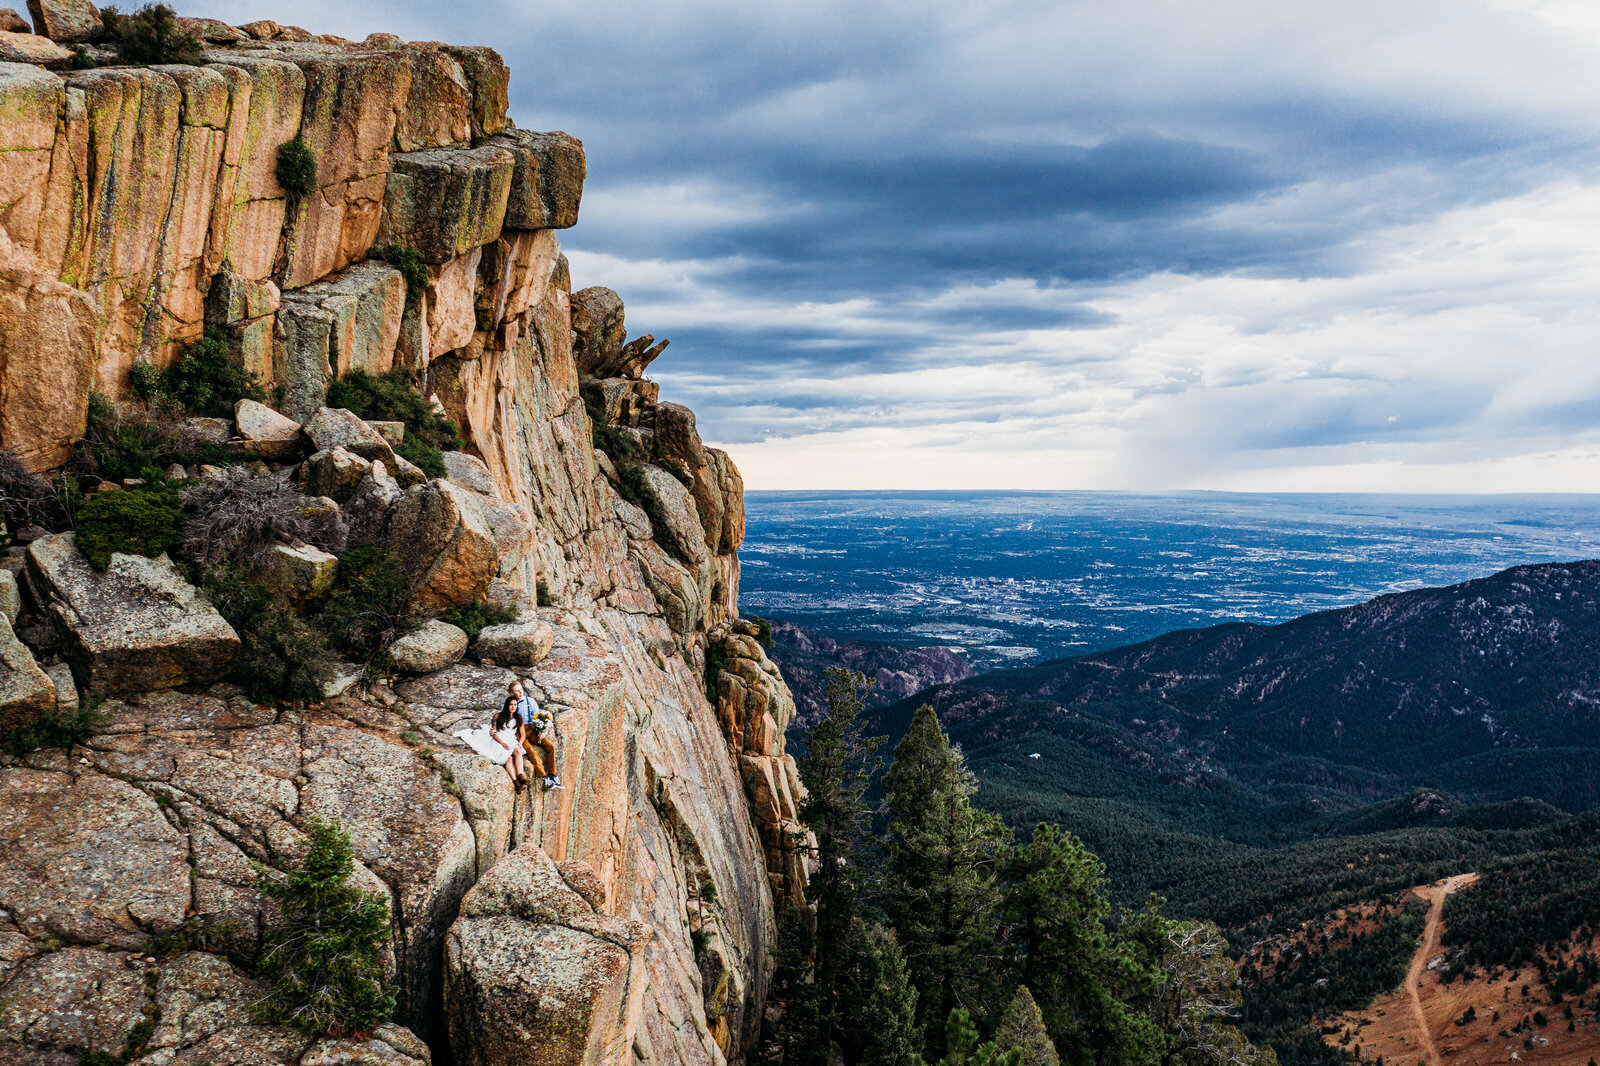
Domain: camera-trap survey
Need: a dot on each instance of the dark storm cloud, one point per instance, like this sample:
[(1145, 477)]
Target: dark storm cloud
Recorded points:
[(868, 189)]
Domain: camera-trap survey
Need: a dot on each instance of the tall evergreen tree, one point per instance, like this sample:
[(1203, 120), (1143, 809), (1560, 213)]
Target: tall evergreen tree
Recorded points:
[(1187, 988), (878, 1006), (800, 1035), (1022, 1027), (940, 889), (961, 1042), (836, 767), (1054, 911)]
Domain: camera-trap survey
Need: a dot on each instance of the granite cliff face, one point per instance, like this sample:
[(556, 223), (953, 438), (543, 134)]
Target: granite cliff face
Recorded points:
[(626, 918)]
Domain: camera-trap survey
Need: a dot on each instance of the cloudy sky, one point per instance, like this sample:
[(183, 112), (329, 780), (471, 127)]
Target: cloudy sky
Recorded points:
[(1138, 244)]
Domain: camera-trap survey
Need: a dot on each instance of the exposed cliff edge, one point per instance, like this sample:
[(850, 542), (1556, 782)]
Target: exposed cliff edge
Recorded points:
[(141, 209)]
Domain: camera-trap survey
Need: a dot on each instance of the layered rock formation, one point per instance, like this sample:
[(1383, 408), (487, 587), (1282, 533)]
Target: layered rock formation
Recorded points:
[(142, 209)]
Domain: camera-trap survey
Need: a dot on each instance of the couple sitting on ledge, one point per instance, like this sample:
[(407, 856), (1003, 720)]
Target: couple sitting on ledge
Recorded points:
[(523, 730)]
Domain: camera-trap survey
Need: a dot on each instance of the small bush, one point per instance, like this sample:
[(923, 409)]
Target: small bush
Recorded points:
[(26, 499), (284, 659), (716, 659), (57, 730), (370, 603), (479, 616), (392, 397), (135, 521), (204, 380), (324, 961), (297, 168), (136, 441), (239, 517), (151, 35), (412, 267), (763, 631), (81, 59), (423, 456)]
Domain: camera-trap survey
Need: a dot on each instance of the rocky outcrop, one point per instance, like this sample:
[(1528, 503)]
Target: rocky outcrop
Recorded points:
[(26, 692), (143, 208), (535, 933), (139, 626)]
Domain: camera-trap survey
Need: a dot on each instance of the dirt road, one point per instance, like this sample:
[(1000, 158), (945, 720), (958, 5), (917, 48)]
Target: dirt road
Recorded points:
[(1429, 948)]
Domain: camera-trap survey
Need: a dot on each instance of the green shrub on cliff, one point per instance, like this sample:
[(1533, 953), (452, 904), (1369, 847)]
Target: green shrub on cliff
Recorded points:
[(151, 35), (324, 960), (297, 168), (370, 604), (283, 659), (57, 728), (474, 619), (391, 397), (411, 265), (204, 380), (133, 521)]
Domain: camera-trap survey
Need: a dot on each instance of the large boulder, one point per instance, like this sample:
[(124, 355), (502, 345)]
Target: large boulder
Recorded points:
[(547, 184), (264, 433), (432, 646), (598, 329), (32, 48), (66, 20), (445, 543), (445, 203), (535, 974), (297, 573), (514, 643), (11, 22), (337, 428), (26, 691), (136, 627), (335, 473)]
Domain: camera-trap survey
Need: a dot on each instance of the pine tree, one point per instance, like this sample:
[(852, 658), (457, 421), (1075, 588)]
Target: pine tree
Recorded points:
[(1022, 1028), (1187, 989), (324, 960), (940, 891), (799, 1034), (1054, 910), (835, 768), (961, 1038), (878, 1007)]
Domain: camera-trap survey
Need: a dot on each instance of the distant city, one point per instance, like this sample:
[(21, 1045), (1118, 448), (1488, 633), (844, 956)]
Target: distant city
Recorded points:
[(1013, 578)]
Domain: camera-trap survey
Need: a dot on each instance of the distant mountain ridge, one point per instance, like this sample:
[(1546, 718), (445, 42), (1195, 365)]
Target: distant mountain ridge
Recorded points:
[(1489, 689), (895, 671)]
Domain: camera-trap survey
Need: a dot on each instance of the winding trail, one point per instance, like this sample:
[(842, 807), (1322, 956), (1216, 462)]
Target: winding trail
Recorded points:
[(1435, 895)]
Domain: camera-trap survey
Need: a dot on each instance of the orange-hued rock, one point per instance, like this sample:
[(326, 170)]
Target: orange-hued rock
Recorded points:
[(31, 48), (47, 360), (352, 101), (32, 101), (448, 305), (142, 205), (438, 112), (264, 113), (66, 20)]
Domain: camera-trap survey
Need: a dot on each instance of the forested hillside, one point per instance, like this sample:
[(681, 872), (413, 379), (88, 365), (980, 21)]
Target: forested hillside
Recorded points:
[(1268, 778)]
